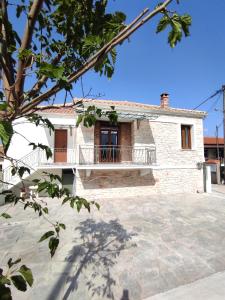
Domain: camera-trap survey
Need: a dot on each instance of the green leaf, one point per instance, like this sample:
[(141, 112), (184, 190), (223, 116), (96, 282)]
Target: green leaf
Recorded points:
[(97, 205), (42, 186), (27, 274), (45, 210), (163, 23), (19, 282), (4, 280), (52, 71), (5, 215), (24, 54), (53, 245), (63, 226), (46, 235), (66, 200), (5, 293), (22, 170), (79, 120), (12, 263), (3, 105), (6, 132)]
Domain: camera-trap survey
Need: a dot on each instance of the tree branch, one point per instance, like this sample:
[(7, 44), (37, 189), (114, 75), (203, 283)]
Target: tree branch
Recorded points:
[(123, 35), (42, 81), (27, 37), (6, 59)]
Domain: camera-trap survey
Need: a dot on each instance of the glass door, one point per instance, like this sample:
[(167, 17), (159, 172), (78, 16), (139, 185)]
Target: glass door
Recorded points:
[(109, 150)]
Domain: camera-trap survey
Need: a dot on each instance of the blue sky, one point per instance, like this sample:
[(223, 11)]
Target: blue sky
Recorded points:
[(147, 66)]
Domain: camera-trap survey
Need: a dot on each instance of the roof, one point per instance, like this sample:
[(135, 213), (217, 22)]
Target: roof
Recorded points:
[(127, 106), (212, 161), (213, 141), (58, 109)]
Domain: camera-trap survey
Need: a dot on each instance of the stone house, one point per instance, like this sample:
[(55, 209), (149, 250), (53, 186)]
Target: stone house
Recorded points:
[(152, 149)]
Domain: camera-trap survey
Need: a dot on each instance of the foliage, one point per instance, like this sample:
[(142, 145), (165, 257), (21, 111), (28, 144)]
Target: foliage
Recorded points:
[(178, 24), (63, 40), (19, 276)]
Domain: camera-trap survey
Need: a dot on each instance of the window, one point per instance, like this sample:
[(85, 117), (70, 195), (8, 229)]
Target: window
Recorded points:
[(186, 136)]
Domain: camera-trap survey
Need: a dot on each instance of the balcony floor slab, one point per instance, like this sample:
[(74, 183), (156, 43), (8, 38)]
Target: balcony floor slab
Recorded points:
[(114, 166), (57, 166)]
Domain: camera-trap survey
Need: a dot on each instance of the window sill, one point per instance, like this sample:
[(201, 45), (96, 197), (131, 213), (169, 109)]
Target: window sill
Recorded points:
[(188, 149)]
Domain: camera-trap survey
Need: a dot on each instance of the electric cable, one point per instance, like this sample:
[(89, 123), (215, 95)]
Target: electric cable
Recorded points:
[(206, 100)]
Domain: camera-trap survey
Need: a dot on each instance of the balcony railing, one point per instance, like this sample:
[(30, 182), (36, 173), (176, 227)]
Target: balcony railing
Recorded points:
[(59, 156), (116, 154)]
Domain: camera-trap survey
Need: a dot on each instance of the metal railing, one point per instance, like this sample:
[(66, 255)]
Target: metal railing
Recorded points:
[(94, 154), (37, 158), (59, 156), (84, 155)]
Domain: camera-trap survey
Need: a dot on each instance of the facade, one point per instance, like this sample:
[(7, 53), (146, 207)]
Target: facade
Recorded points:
[(213, 148), (214, 157), (152, 149)]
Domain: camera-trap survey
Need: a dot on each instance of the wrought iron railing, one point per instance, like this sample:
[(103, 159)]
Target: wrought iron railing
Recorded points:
[(84, 155), (37, 158), (92, 154)]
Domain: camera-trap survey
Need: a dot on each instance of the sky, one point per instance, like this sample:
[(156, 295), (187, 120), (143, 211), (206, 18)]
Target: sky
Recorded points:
[(147, 66)]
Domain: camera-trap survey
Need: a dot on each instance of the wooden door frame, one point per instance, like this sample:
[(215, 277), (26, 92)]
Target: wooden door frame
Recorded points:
[(64, 130), (106, 126)]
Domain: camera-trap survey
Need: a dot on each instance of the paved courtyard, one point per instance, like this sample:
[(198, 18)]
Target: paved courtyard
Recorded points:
[(132, 249)]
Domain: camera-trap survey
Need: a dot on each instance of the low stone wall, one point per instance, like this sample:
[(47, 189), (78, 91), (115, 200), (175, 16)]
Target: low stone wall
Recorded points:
[(123, 183)]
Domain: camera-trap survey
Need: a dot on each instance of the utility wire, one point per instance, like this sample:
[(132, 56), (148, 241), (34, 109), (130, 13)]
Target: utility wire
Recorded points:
[(221, 123), (214, 103), (206, 100)]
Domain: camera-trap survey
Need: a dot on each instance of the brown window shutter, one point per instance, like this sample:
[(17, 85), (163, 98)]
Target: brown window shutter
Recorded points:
[(186, 136), (189, 137)]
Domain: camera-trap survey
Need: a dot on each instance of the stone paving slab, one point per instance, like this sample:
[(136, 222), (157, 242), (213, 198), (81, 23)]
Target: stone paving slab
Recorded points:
[(209, 288), (132, 249)]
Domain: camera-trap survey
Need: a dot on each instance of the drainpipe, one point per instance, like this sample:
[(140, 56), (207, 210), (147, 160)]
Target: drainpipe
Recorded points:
[(74, 182)]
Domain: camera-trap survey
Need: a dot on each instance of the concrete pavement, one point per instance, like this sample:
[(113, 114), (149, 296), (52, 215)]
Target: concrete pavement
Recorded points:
[(132, 249), (209, 288)]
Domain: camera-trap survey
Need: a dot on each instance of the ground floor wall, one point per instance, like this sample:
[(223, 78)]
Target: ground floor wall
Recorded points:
[(125, 183)]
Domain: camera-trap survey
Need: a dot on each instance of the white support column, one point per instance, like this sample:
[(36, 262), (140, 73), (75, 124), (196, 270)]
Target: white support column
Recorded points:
[(208, 185)]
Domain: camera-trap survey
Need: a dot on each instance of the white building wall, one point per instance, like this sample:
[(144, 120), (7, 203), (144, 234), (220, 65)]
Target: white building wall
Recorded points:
[(26, 133), (176, 169)]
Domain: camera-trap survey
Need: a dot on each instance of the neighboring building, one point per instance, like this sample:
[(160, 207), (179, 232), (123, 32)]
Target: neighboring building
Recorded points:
[(214, 157), (152, 149), (213, 148)]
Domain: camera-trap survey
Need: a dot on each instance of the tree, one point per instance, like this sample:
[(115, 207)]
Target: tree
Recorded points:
[(61, 41)]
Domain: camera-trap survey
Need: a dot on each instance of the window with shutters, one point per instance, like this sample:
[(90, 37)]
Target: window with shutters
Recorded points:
[(185, 136)]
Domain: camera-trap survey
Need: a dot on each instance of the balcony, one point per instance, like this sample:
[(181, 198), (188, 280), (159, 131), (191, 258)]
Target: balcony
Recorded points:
[(93, 155)]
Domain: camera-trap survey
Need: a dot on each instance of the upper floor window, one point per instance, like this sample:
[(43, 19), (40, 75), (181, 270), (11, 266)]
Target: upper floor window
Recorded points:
[(186, 136)]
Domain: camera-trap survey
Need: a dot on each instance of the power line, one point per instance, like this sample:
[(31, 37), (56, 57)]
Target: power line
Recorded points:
[(206, 100), (214, 103), (221, 123)]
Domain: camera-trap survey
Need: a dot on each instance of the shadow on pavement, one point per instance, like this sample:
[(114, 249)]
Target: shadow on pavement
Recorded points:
[(101, 244)]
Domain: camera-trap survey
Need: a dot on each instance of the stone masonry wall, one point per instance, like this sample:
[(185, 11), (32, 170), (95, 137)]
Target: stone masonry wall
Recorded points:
[(165, 134), (176, 170), (123, 183)]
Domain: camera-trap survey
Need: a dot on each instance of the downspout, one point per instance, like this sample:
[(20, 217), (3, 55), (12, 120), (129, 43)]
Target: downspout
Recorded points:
[(74, 182)]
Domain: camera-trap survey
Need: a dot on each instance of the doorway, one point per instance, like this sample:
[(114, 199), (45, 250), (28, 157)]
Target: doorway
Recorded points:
[(60, 151), (109, 145)]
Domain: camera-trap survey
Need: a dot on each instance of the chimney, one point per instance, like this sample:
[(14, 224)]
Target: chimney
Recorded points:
[(164, 102)]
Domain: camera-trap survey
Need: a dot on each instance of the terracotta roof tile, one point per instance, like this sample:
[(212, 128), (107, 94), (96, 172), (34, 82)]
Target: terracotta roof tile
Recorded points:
[(213, 141), (212, 161), (58, 109), (135, 104), (124, 104)]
